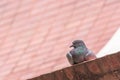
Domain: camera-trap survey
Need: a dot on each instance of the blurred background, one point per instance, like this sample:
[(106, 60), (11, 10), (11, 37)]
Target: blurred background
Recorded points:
[(35, 35)]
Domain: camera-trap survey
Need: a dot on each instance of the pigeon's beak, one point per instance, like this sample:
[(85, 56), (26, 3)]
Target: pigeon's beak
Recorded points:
[(71, 46)]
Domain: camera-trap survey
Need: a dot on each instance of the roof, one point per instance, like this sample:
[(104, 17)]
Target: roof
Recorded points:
[(35, 34), (104, 68), (112, 45)]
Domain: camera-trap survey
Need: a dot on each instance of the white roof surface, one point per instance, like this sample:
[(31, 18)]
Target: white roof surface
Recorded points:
[(112, 46)]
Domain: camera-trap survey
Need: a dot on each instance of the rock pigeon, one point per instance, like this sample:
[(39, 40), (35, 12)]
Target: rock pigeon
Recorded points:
[(79, 53)]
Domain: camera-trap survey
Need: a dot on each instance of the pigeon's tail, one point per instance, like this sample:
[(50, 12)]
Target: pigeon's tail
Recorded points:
[(90, 56)]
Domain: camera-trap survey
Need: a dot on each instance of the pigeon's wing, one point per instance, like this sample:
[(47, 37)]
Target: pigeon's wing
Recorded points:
[(90, 56), (70, 58)]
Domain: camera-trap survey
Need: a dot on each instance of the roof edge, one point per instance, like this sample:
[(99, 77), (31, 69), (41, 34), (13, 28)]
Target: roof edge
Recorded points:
[(102, 68)]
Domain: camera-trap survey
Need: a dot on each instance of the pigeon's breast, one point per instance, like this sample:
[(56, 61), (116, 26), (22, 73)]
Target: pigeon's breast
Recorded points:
[(79, 54)]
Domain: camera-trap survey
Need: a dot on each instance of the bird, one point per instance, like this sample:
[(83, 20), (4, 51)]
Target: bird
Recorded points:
[(79, 53)]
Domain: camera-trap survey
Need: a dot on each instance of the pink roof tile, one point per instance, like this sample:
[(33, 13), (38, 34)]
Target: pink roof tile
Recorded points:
[(35, 35)]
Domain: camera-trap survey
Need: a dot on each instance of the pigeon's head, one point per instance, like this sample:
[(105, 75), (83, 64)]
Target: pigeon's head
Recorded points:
[(77, 43)]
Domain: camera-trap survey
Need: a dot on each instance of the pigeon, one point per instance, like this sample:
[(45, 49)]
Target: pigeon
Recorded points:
[(79, 53)]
